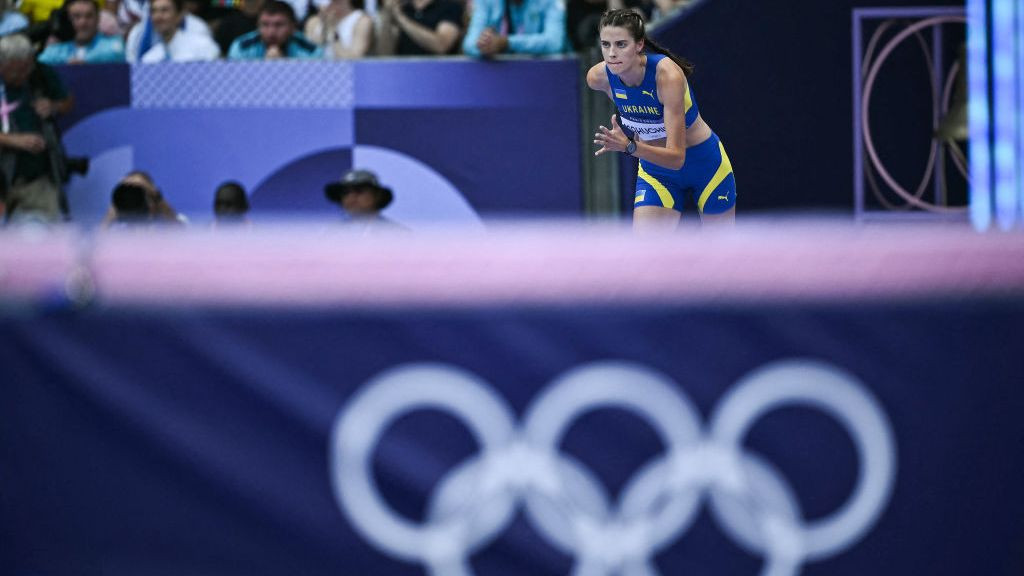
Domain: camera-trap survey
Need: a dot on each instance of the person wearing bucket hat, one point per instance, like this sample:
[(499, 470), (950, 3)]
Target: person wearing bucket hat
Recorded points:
[(361, 195)]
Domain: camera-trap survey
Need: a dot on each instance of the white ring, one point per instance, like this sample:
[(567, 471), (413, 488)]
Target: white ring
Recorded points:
[(360, 426), (839, 394), (568, 505)]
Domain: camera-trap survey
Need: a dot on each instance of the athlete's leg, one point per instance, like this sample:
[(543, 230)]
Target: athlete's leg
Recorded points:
[(658, 199), (716, 183), (723, 220), (654, 219)]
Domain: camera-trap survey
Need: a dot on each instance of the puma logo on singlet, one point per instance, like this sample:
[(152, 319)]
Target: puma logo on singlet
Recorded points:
[(651, 94)]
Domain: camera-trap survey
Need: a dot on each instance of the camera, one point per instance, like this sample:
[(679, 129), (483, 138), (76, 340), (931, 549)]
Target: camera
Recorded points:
[(131, 203)]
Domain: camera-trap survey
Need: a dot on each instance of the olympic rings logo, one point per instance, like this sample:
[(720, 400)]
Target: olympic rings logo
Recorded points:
[(522, 467)]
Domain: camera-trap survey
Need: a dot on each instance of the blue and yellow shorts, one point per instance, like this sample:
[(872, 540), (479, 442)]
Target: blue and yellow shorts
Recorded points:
[(706, 178)]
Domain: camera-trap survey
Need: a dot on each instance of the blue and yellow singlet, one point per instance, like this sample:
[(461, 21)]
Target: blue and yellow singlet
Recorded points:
[(640, 108)]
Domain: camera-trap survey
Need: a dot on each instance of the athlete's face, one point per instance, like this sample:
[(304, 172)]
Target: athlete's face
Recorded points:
[(619, 49)]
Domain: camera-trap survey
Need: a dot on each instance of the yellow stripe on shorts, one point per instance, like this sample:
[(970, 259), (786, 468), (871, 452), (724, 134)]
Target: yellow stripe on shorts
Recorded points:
[(666, 198), (724, 169)]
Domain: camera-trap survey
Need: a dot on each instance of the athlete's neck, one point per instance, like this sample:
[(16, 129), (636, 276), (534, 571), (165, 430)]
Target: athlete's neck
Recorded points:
[(635, 75)]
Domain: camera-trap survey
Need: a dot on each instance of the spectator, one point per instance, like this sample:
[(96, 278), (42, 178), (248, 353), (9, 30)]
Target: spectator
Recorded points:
[(136, 199), (31, 95), (11, 21), (88, 45), (170, 34), (230, 204), (343, 29), (531, 27), (275, 37), (131, 12), (58, 28), (362, 197), (420, 27)]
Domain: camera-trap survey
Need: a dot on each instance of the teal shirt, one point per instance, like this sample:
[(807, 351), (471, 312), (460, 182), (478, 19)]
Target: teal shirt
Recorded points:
[(537, 27), (102, 49), (249, 47)]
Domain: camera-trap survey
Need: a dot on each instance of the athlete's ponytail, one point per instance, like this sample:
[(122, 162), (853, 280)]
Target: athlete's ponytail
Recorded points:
[(634, 22), (683, 63)]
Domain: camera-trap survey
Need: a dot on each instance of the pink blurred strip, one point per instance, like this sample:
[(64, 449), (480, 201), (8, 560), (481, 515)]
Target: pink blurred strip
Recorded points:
[(35, 263), (561, 264)]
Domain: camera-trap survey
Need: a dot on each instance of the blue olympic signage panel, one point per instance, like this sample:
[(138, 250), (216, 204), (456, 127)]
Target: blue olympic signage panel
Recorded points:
[(787, 440), (458, 140)]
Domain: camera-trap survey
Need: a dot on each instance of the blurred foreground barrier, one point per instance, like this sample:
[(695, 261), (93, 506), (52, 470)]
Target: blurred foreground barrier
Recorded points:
[(798, 397)]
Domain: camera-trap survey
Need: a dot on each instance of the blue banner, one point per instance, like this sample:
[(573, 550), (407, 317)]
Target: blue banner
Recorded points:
[(780, 439), (430, 129)]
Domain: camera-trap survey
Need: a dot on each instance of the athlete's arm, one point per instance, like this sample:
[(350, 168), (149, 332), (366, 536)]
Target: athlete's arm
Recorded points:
[(672, 89)]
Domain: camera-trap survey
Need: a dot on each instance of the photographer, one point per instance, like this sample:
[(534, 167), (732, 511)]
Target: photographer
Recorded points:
[(31, 95), (137, 201)]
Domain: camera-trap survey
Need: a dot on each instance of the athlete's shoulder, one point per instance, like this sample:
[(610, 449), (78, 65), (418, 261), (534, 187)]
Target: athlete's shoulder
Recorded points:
[(597, 76), (670, 77), (668, 69)]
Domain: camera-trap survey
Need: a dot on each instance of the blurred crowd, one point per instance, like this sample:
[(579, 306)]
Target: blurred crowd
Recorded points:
[(152, 31)]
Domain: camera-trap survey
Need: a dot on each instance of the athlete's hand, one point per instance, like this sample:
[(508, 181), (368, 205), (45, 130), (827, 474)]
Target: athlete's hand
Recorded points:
[(611, 140)]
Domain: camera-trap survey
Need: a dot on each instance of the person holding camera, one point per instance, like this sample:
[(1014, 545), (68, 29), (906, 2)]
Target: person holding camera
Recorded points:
[(31, 156), (87, 45), (136, 200)]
